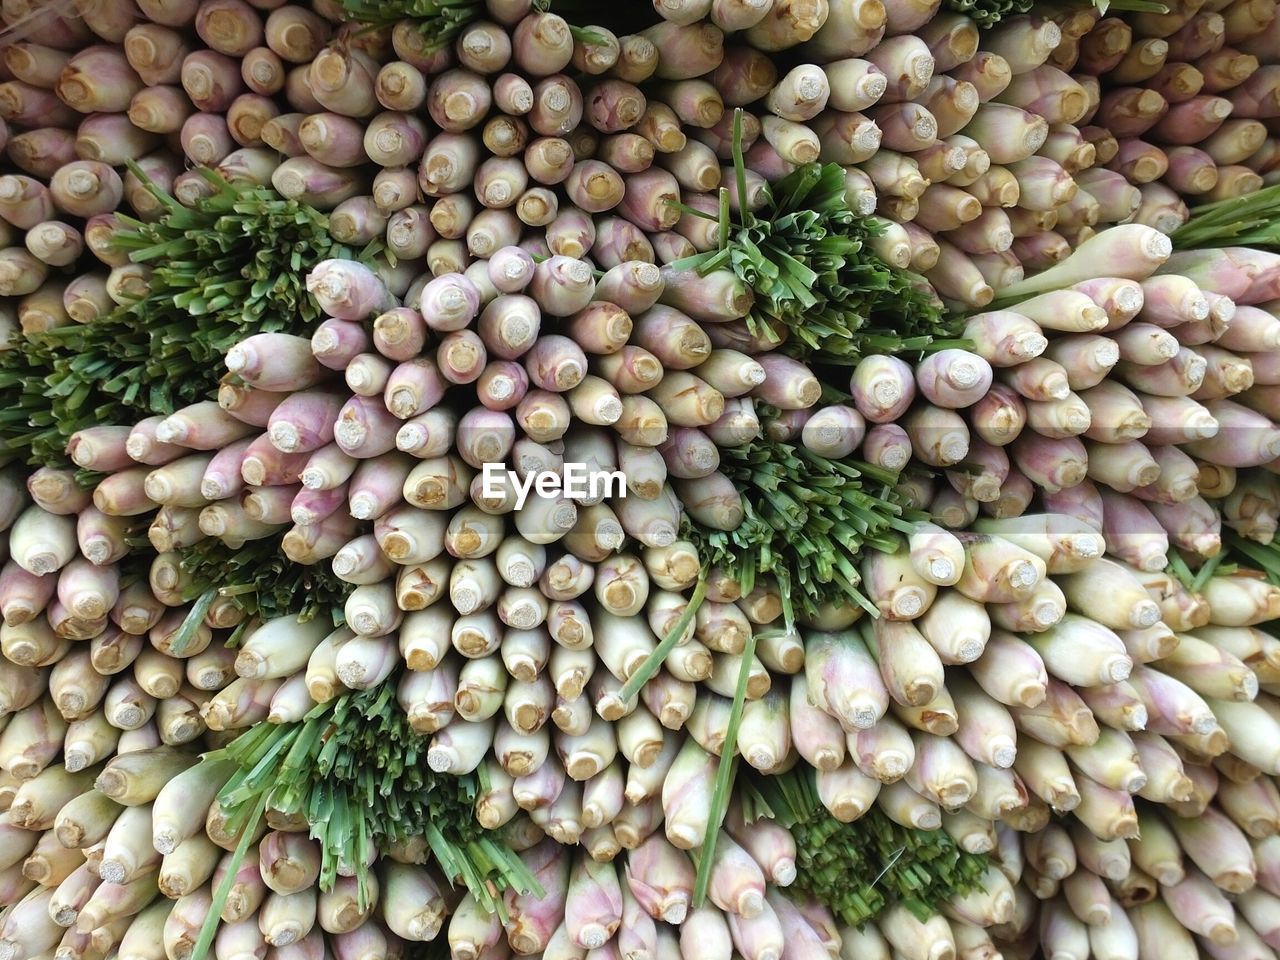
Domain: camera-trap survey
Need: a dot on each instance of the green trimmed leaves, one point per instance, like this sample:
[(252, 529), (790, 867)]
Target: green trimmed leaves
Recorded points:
[(807, 257), (858, 869), (1249, 221), (261, 581), (987, 13), (807, 520), (234, 265), (440, 21), (29, 415), (358, 774)]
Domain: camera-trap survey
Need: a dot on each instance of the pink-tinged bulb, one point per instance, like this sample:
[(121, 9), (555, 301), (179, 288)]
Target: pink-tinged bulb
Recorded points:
[(737, 882), (593, 906), (534, 919), (661, 878)]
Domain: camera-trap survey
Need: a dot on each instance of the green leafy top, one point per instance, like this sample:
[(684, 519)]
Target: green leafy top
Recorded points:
[(260, 580), (29, 415), (440, 21), (858, 869), (806, 256), (1238, 554), (1132, 6), (1249, 221), (807, 520), (233, 265), (357, 772), (236, 263), (1196, 573), (1238, 551), (987, 13)]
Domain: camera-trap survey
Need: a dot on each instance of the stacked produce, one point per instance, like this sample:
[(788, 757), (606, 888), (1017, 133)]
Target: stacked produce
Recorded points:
[(916, 364), (1001, 161)]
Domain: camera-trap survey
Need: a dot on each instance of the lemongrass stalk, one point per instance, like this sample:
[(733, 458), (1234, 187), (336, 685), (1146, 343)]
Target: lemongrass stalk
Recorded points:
[(1062, 718), (843, 680)]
